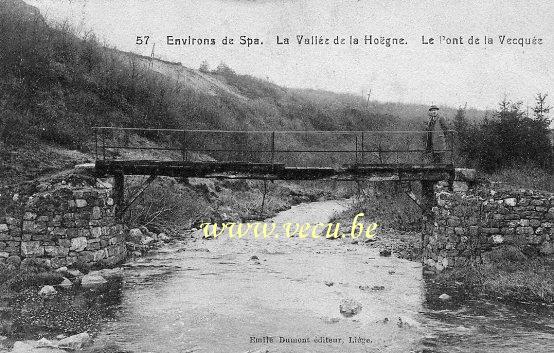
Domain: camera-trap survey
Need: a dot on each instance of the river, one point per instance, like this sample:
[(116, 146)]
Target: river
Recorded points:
[(207, 295)]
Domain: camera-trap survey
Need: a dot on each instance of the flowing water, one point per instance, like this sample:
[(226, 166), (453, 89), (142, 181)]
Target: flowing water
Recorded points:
[(211, 296)]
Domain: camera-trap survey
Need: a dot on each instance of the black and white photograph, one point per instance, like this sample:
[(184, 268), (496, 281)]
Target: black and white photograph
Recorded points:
[(276, 176)]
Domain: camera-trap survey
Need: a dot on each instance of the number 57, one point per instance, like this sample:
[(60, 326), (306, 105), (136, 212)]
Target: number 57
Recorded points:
[(142, 40)]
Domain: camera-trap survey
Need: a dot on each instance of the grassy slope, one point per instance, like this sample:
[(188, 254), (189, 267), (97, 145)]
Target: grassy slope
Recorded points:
[(54, 86)]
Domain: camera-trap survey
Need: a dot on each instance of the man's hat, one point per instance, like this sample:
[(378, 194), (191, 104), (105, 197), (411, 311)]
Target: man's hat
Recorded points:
[(433, 107)]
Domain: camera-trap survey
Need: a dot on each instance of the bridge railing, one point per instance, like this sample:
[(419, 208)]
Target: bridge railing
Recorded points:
[(291, 148)]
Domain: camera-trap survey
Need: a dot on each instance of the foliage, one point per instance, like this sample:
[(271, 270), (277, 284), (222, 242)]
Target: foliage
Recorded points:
[(387, 205), (204, 67), (508, 138), (525, 176), (34, 274), (56, 84), (509, 276)]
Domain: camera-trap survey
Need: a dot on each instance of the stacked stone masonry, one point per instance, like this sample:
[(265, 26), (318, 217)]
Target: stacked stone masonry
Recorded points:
[(63, 224), (483, 224)]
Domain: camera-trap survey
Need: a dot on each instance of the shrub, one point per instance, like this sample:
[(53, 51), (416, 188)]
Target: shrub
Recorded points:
[(525, 176)]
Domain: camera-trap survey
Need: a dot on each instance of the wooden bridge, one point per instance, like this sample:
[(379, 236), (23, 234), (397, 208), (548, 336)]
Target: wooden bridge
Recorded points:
[(270, 155)]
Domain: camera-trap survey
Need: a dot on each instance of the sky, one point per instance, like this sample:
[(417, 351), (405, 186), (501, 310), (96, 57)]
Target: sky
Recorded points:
[(446, 74)]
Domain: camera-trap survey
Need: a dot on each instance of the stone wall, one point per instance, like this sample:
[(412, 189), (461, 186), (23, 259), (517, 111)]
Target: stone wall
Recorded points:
[(480, 223), (65, 221)]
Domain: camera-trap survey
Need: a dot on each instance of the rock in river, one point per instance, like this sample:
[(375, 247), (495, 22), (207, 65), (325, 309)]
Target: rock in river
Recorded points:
[(47, 291), (163, 237), (110, 272), (75, 342), (135, 235), (350, 307), (65, 283), (75, 273), (92, 280), (147, 240)]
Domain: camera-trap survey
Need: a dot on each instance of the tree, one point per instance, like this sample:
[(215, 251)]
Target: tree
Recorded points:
[(541, 110), (512, 138), (204, 67), (467, 140), (224, 70)]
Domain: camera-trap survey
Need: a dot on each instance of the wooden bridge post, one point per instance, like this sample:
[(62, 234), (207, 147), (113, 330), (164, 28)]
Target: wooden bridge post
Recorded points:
[(119, 192), (184, 153), (428, 200), (363, 159), (272, 148), (427, 195), (356, 142)]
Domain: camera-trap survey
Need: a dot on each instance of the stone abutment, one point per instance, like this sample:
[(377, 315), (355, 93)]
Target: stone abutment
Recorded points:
[(477, 222), (67, 220)]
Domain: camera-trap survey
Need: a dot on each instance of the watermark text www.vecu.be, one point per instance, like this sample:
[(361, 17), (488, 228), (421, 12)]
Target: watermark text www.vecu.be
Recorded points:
[(264, 230)]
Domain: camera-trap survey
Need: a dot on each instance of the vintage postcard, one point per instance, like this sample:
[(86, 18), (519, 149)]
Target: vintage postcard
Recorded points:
[(248, 176)]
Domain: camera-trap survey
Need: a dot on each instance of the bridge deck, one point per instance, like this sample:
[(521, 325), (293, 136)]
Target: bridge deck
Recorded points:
[(275, 171), (272, 155)]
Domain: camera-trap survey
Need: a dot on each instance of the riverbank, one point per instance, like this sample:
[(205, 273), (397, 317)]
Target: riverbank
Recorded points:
[(160, 304), (511, 277), (524, 281), (25, 313)]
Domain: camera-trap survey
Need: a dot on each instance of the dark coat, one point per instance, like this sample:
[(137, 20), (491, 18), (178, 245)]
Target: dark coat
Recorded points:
[(436, 139)]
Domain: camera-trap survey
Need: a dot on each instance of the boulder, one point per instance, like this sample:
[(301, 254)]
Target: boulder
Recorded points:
[(146, 240), (444, 296), (92, 280), (350, 307), (75, 342), (163, 237), (110, 272), (45, 343), (47, 291), (65, 283), (135, 235), (75, 273)]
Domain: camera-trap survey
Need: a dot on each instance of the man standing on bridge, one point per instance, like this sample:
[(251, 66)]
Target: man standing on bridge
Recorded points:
[(436, 139)]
